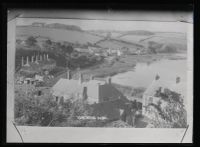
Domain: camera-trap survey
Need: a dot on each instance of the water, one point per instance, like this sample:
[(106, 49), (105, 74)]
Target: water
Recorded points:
[(143, 74)]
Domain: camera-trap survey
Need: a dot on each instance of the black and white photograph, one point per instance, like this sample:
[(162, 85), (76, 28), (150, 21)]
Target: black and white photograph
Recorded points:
[(102, 73)]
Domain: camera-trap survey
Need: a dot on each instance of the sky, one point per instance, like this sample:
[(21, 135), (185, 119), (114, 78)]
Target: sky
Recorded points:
[(112, 25)]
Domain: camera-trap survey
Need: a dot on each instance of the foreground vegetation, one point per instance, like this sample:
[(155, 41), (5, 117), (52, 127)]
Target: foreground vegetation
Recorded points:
[(172, 115)]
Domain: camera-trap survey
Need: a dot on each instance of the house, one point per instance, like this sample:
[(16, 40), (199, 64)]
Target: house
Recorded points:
[(82, 50), (39, 78), (97, 91), (38, 24), (93, 49), (102, 96), (119, 53), (150, 96)]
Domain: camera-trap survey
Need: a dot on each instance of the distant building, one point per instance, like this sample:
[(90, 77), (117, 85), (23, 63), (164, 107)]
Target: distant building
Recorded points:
[(119, 53), (150, 97), (38, 24), (93, 49), (82, 50), (39, 78)]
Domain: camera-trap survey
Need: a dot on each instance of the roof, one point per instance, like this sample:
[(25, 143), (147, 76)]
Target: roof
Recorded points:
[(156, 84), (66, 87), (96, 89)]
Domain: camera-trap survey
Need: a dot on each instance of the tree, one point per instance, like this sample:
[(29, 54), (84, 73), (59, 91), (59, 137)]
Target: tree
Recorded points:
[(31, 41), (67, 51), (169, 112), (47, 45)]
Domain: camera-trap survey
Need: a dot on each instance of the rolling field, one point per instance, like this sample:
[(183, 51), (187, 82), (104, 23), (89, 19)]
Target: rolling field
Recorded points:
[(175, 40), (57, 35)]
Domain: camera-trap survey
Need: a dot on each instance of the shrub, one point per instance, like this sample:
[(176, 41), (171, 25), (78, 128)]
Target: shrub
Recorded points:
[(172, 115), (31, 41)]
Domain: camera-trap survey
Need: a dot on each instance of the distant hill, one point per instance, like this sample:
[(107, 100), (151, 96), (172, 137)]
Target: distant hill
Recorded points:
[(176, 42), (56, 32), (137, 32), (118, 44), (165, 42), (63, 26)]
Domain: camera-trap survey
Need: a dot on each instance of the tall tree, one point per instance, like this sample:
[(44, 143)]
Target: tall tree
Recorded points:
[(47, 45), (31, 41)]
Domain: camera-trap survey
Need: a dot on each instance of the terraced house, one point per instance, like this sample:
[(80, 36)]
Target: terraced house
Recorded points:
[(106, 100)]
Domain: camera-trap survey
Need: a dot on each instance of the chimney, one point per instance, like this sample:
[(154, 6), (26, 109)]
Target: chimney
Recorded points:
[(47, 57), (68, 74), (157, 77), (40, 57), (44, 57), (36, 59), (84, 95), (178, 79), (109, 80), (22, 61), (91, 77), (27, 62), (32, 58), (80, 78), (98, 94)]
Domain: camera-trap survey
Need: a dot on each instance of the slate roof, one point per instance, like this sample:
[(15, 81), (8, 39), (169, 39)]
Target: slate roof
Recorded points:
[(96, 90), (66, 87)]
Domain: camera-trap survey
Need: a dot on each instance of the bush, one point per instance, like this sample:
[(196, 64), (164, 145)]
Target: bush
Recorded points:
[(172, 115), (31, 41)]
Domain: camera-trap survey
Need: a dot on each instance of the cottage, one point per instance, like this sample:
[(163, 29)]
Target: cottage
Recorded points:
[(101, 95), (82, 50), (95, 91), (39, 78), (158, 84)]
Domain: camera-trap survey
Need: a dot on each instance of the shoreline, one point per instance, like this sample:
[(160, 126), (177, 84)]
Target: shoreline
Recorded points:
[(125, 64)]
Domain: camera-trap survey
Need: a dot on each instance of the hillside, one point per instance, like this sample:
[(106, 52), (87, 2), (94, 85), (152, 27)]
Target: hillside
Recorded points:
[(167, 42), (174, 41), (153, 42), (137, 32), (117, 44), (63, 26), (57, 35), (104, 33)]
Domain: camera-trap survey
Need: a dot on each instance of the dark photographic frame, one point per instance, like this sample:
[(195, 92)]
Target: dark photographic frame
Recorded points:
[(155, 6)]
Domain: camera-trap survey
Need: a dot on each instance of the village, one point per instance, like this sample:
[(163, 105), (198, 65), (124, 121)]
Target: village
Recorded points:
[(68, 81), (107, 102)]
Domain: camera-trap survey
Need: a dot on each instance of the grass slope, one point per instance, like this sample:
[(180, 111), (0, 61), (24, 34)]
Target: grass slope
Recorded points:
[(72, 36)]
